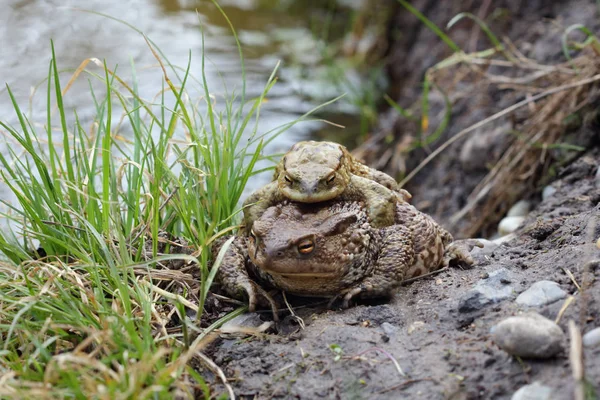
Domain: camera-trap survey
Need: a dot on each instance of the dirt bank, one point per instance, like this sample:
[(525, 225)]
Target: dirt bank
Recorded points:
[(433, 339), (443, 347)]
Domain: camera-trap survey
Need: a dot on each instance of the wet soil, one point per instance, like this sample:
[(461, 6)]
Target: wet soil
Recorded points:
[(444, 349), (445, 352)]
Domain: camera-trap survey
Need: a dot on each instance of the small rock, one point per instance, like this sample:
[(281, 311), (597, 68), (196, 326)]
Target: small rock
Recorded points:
[(486, 291), (534, 391), (519, 209), (414, 326), (592, 338), (541, 293), (509, 225), (597, 179), (503, 239), (548, 192), (389, 329), (528, 335)]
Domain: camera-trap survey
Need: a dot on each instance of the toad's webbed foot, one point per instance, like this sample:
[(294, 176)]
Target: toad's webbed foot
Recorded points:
[(458, 253)]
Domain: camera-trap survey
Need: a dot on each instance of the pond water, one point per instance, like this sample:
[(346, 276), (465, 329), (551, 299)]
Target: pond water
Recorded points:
[(270, 31)]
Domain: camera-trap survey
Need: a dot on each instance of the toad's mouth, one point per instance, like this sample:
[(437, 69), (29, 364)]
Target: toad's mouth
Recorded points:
[(311, 194), (302, 275)]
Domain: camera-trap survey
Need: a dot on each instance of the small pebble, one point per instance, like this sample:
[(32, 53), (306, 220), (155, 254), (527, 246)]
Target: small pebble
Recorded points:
[(519, 209), (534, 391), (541, 293), (509, 225), (503, 239), (529, 336), (389, 329), (548, 192), (598, 177), (592, 338)]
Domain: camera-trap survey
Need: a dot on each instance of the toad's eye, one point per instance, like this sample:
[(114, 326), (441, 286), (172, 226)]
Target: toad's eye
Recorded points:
[(330, 179), (288, 178), (306, 246)]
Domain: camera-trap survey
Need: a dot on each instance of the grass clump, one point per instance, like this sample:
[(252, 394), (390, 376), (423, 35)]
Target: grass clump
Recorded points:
[(107, 255)]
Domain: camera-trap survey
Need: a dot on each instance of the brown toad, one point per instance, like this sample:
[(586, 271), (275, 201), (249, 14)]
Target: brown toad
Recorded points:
[(312, 172), (331, 250)]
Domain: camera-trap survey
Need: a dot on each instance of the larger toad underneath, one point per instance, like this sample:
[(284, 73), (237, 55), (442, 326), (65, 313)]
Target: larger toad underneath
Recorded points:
[(331, 250), (312, 172)]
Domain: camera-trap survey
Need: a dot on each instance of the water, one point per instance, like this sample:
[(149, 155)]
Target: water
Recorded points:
[(270, 31)]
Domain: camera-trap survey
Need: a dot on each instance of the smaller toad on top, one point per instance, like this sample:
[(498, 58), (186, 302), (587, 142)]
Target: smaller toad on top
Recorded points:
[(313, 172)]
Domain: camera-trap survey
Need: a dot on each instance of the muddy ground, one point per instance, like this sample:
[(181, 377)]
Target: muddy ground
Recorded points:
[(436, 331), (445, 349)]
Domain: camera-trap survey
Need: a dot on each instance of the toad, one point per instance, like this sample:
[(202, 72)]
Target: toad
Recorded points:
[(332, 250), (312, 172)]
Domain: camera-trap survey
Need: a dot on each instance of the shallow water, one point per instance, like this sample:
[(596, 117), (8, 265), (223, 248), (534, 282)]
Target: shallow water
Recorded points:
[(270, 31)]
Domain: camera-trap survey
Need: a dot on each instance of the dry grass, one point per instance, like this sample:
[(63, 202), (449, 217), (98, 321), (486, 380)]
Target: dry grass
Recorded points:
[(545, 97)]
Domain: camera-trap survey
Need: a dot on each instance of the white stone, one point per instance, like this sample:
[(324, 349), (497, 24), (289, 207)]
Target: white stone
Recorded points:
[(519, 209), (509, 225), (529, 335), (548, 192), (534, 391), (592, 338), (541, 293)]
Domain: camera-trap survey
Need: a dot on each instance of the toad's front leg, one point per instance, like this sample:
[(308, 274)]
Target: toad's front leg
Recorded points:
[(257, 203), (233, 277)]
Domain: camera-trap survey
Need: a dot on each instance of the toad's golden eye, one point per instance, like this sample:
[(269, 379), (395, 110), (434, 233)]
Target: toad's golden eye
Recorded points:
[(288, 178), (330, 179), (306, 246)]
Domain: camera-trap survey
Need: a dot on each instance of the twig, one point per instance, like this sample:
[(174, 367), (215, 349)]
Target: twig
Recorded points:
[(384, 352), (576, 359), (572, 278), (437, 271), (171, 296), (406, 383), (564, 307), (291, 310), (217, 371)]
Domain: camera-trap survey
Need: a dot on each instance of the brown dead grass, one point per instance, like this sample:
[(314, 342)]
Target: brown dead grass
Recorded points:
[(550, 93)]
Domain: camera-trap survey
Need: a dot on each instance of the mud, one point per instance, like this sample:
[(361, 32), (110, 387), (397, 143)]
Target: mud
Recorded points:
[(443, 352), (432, 340)]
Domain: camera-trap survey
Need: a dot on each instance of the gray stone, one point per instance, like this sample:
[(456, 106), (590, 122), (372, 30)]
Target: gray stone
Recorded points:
[(389, 329), (529, 336), (534, 391), (493, 289), (598, 177), (592, 338), (548, 192), (541, 293), (509, 224), (503, 239), (519, 209)]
